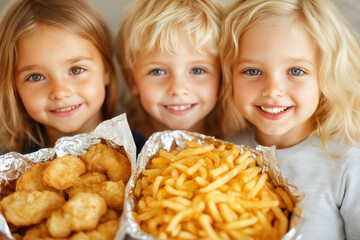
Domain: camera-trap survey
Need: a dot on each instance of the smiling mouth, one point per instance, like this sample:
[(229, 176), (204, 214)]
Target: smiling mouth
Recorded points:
[(275, 110), (179, 107), (67, 109)]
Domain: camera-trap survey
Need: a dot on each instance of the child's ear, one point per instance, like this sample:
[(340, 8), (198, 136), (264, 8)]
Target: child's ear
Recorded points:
[(129, 79)]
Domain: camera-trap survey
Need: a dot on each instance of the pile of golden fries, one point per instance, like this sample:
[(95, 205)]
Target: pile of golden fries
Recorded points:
[(210, 192)]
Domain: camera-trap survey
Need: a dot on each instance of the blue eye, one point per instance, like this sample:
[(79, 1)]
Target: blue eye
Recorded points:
[(157, 72), (296, 71), (197, 71), (252, 72), (77, 70), (35, 77)]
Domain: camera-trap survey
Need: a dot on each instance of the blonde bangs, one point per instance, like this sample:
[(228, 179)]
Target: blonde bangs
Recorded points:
[(148, 28)]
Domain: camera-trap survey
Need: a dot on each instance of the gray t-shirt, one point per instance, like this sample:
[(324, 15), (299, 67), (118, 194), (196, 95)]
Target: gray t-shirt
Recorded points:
[(331, 186)]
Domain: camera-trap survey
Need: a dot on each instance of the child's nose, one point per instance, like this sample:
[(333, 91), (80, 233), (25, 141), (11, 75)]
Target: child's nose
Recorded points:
[(178, 86), (59, 89), (273, 87)]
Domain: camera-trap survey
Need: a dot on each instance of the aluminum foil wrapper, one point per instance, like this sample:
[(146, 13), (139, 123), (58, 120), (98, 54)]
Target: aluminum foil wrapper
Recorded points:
[(176, 140), (114, 132)]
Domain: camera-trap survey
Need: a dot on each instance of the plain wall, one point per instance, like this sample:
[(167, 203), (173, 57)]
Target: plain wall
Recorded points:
[(112, 10)]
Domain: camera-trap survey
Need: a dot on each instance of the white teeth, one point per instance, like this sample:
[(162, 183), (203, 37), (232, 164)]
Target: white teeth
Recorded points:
[(274, 110), (67, 109), (179, 108)]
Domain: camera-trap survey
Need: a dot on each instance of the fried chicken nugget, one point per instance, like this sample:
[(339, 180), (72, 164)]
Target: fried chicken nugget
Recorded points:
[(27, 208), (112, 192), (85, 181), (79, 236), (81, 212), (90, 178), (63, 172), (16, 236), (108, 229), (31, 179), (110, 214), (106, 159), (105, 231), (59, 224), (39, 231), (86, 209)]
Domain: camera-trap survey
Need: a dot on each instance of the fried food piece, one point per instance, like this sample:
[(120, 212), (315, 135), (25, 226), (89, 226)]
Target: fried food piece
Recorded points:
[(80, 212), (86, 210), (110, 214), (112, 192), (79, 236), (105, 231), (63, 172), (90, 178), (106, 159), (86, 180), (16, 236), (39, 231), (59, 224), (27, 208), (31, 179)]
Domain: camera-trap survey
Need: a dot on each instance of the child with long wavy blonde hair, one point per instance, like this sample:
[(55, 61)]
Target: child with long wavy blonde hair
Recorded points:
[(57, 73), (291, 79)]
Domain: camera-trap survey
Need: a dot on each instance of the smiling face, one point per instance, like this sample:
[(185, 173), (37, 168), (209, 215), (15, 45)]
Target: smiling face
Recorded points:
[(275, 80), (177, 90), (61, 80)]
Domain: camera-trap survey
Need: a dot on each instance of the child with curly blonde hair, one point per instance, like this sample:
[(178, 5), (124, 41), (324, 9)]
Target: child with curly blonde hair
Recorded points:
[(292, 79), (168, 54), (57, 74)]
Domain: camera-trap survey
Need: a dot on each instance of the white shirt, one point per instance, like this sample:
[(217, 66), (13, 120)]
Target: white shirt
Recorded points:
[(331, 186)]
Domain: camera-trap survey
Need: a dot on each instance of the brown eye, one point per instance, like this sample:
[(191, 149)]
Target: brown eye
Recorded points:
[(76, 70), (36, 77)]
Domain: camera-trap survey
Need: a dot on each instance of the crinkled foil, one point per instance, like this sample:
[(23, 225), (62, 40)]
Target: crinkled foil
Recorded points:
[(114, 132), (176, 139)]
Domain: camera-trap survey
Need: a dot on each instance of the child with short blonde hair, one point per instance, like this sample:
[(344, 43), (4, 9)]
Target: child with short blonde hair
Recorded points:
[(57, 74), (291, 78), (168, 53)]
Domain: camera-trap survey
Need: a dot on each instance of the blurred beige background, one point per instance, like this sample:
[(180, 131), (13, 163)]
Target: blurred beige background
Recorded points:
[(112, 10)]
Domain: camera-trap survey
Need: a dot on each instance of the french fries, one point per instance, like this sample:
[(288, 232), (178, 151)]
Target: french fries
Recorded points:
[(210, 192)]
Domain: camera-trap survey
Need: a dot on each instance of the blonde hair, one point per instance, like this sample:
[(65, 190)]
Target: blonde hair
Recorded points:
[(159, 26), (337, 115), (24, 17)]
